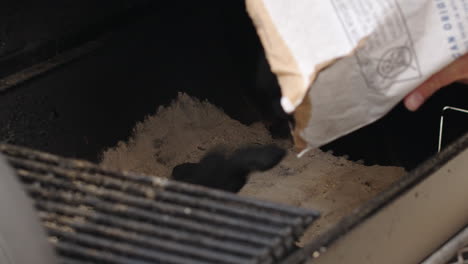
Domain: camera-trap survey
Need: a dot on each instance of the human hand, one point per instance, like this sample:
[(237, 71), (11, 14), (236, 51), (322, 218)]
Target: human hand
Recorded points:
[(457, 71)]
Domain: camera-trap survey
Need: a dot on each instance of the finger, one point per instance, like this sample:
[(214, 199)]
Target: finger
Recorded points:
[(418, 96), (458, 70), (413, 101)]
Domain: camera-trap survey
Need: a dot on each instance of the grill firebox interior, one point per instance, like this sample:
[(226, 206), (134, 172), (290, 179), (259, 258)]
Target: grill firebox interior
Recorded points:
[(209, 50)]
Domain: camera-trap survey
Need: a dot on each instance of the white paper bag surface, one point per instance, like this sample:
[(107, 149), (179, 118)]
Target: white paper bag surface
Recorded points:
[(343, 64)]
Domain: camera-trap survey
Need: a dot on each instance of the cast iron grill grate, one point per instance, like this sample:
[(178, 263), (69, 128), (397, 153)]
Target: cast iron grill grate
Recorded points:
[(94, 215)]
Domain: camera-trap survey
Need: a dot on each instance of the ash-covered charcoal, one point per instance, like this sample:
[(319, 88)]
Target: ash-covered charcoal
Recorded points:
[(188, 129), (229, 173), (179, 133)]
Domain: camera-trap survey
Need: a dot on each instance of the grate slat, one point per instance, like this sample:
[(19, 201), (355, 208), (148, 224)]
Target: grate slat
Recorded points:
[(147, 229), (132, 239), (120, 209)]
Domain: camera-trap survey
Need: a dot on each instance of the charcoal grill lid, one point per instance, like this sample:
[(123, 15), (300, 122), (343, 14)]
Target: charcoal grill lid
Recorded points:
[(22, 238)]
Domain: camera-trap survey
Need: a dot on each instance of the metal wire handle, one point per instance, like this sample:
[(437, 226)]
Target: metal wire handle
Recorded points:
[(441, 127)]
